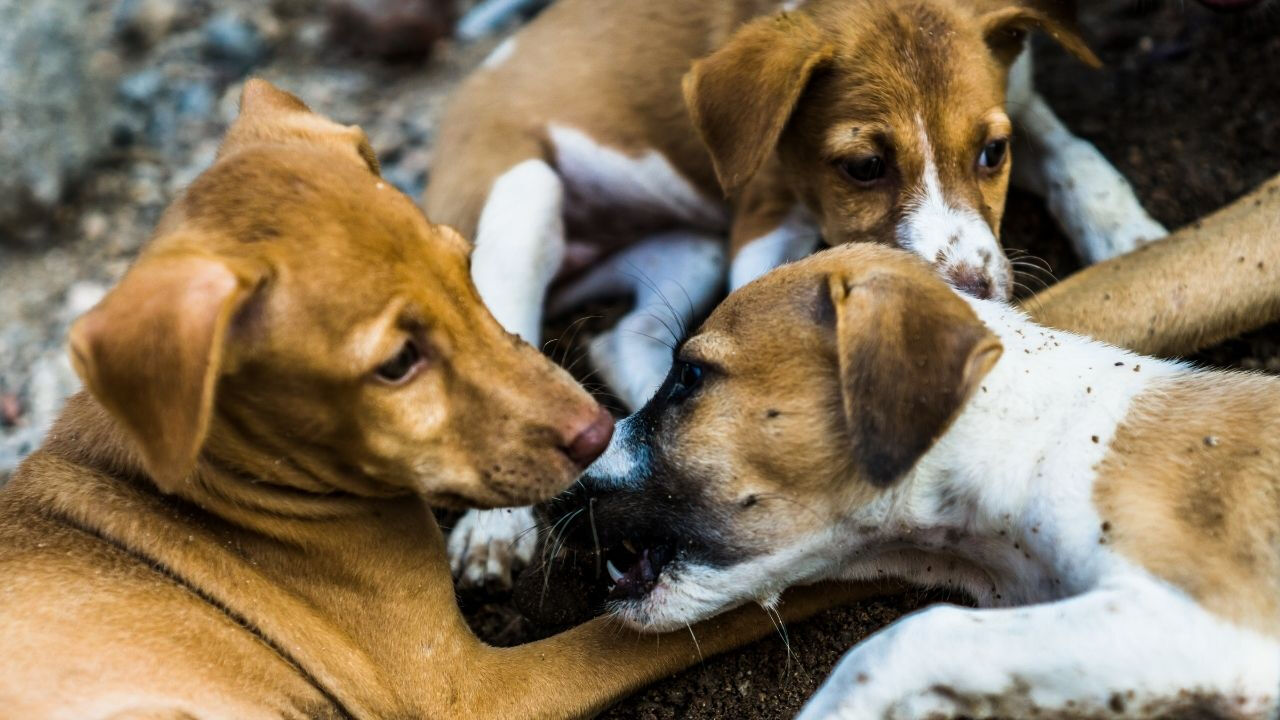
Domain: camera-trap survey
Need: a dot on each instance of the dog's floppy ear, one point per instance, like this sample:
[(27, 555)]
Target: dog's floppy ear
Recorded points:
[(909, 356), (269, 114), (152, 350), (741, 96), (1005, 29)]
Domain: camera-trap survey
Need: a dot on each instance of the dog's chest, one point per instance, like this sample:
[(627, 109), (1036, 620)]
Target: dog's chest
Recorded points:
[(616, 197)]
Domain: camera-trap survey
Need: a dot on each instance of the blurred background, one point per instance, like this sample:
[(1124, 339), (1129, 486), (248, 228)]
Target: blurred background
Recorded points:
[(109, 107)]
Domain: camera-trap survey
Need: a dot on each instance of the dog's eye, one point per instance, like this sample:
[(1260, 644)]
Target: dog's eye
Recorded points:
[(399, 368), (993, 154), (685, 379), (864, 170)]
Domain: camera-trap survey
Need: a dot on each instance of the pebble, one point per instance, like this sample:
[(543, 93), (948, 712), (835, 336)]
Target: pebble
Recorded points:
[(235, 40)]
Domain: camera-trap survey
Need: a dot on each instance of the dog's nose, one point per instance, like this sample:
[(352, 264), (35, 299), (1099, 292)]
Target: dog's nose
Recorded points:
[(971, 281), (587, 445)]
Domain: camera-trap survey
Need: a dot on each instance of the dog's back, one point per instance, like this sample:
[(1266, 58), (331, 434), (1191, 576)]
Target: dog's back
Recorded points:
[(608, 68), (1194, 472)]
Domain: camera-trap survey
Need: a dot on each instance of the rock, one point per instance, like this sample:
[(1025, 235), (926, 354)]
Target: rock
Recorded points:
[(235, 41), (55, 87), (390, 29), (142, 23)]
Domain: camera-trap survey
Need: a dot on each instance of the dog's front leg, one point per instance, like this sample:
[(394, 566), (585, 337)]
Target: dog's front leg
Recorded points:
[(1135, 652), (520, 246), (1092, 202), (583, 670)]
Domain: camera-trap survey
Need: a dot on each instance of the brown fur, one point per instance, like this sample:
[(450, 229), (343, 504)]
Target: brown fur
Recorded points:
[(1190, 490), (833, 81), (1212, 280), (231, 521)]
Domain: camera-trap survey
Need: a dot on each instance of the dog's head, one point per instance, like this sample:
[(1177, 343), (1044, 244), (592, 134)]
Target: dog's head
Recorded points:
[(297, 320), (888, 119), (808, 396)]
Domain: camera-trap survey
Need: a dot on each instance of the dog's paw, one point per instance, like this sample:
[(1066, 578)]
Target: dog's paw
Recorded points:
[(1096, 206), (487, 546)]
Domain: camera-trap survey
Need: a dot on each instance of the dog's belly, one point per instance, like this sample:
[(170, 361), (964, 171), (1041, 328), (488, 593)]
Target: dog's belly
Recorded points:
[(612, 198)]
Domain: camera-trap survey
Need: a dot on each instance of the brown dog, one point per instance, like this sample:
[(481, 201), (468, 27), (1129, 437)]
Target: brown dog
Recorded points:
[(231, 521)]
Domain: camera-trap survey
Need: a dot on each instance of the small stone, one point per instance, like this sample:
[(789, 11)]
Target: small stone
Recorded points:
[(1211, 440), (235, 40)]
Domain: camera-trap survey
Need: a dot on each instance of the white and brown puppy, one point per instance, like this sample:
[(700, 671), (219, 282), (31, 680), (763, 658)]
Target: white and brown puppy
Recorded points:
[(1117, 517), (571, 147)]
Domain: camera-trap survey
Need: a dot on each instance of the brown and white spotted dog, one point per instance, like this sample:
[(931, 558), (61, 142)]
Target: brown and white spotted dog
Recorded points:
[(1116, 517)]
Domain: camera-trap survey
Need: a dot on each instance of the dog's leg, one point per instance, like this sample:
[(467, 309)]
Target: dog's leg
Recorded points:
[(675, 277), (1090, 199), (520, 246), (1142, 650), (583, 670), (1212, 280)]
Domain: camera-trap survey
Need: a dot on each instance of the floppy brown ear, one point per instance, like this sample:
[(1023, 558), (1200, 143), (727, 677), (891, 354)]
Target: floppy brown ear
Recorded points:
[(1005, 29), (151, 353), (909, 357), (269, 114), (741, 96)]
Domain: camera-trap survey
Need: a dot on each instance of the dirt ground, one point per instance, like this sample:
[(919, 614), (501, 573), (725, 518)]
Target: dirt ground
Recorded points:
[(1188, 108)]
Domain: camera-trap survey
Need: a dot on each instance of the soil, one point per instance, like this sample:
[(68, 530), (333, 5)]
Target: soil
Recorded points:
[(1188, 108)]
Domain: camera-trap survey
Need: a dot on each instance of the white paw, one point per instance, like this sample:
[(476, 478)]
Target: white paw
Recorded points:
[(1095, 205), (487, 546)]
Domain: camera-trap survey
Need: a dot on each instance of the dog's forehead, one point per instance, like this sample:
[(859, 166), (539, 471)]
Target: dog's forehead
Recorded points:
[(913, 55)]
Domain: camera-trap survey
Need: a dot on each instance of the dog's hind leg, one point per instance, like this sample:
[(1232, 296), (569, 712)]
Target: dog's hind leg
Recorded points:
[(520, 245), (1137, 649), (675, 278), (1092, 202)]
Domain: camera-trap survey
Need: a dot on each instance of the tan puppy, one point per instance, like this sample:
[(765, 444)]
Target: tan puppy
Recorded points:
[(835, 119), (850, 416), (231, 523)]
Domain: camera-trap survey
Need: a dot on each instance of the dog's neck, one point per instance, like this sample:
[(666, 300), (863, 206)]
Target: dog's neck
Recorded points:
[(1001, 506)]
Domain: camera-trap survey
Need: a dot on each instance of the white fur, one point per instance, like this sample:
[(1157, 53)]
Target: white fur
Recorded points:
[(646, 185), (795, 238), (1090, 199), (486, 546), (520, 245), (952, 237), (499, 54), (675, 276)]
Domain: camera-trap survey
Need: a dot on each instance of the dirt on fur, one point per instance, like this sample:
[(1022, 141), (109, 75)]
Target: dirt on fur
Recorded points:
[(1188, 109)]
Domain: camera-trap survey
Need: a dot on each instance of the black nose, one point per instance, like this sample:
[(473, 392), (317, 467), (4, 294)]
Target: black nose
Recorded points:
[(971, 281)]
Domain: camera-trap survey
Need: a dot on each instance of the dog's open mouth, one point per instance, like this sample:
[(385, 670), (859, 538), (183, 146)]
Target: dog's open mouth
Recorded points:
[(634, 568)]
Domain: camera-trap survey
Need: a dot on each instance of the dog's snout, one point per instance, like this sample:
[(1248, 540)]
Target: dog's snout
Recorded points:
[(972, 281), (588, 443)]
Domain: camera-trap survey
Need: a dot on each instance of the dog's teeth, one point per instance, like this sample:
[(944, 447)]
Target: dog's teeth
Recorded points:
[(630, 548), (614, 575)]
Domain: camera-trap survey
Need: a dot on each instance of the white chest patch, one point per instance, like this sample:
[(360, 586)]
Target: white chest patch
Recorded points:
[(499, 54), (647, 189)]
